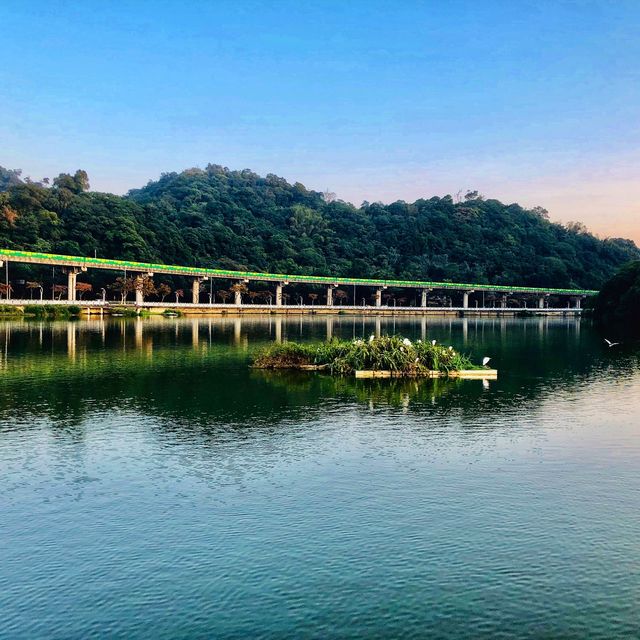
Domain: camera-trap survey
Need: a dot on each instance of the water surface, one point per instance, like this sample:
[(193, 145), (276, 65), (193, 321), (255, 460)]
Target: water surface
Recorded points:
[(153, 486)]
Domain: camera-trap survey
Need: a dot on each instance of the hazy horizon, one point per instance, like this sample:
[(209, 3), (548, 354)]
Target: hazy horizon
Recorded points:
[(529, 102)]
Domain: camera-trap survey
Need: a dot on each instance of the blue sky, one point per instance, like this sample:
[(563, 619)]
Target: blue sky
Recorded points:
[(535, 102)]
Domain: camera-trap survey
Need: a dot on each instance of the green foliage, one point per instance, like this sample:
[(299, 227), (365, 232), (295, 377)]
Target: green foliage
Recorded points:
[(387, 353), (9, 310), (127, 312), (237, 219), (618, 304), (52, 311)]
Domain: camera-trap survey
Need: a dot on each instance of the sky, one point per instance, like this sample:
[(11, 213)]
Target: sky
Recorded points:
[(530, 102)]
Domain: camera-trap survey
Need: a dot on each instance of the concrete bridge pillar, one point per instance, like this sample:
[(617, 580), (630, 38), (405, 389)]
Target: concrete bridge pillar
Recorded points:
[(139, 292), (379, 296), (279, 287), (72, 278), (578, 303), (423, 297), (541, 302), (195, 290), (139, 287), (503, 301), (237, 293), (465, 299), (330, 289)]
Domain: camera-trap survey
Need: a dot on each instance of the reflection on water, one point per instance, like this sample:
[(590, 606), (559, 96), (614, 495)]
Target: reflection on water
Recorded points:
[(156, 486), (65, 365)]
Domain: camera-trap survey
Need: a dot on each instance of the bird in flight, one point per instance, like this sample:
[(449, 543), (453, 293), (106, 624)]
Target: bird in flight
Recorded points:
[(611, 344)]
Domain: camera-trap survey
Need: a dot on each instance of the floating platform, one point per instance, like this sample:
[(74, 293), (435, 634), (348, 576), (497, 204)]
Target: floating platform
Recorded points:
[(466, 374)]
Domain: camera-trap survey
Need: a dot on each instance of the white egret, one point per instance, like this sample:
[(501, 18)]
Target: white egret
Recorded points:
[(611, 344), (485, 361)]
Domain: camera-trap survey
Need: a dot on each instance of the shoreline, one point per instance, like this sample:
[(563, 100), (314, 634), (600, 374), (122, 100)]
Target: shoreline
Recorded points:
[(11, 308)]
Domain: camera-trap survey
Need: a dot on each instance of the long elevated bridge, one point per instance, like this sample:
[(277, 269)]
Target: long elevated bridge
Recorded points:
[(72, 266)]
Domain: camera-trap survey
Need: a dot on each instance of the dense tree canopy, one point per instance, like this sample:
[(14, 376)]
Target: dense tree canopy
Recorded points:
[(237, 219), (618, 304)]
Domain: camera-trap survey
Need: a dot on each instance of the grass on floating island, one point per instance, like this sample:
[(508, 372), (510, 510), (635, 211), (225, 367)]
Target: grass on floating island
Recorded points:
[(387, 353)]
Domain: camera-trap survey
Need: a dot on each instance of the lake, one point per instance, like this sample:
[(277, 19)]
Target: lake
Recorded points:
[(154, 486)]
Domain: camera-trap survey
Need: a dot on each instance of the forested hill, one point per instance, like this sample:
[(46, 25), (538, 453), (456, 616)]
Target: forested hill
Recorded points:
[(237, 219)]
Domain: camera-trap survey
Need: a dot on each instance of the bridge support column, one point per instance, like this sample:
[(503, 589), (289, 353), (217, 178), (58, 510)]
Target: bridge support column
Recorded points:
[(330, 289), (279, 288), (423, 297), (139, 293), (238, 290), (465, 299), (195, 290), (72, 277), (139, 287), (379, 296), (503, 301), (541, 302), (578, 303)]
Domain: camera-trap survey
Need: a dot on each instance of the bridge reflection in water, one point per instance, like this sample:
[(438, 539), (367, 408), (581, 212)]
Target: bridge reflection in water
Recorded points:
[(150, 336)]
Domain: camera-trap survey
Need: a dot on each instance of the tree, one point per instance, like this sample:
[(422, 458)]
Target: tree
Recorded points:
[(32, 285), (123, 287), (541, 212), (340, 295), (9, 178), (577, 227), (6, 290), (239, 288), (163, 290), (313, 297), (179, 293), (83, 287), (145, 286), (224, 295), (253, 295), (59, 290), (617, 307), (76, 183)]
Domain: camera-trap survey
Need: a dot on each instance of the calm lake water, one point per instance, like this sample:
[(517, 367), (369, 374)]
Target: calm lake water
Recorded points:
[(153, 486)]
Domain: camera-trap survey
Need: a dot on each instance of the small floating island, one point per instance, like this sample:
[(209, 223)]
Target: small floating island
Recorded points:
[(383, 357)]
